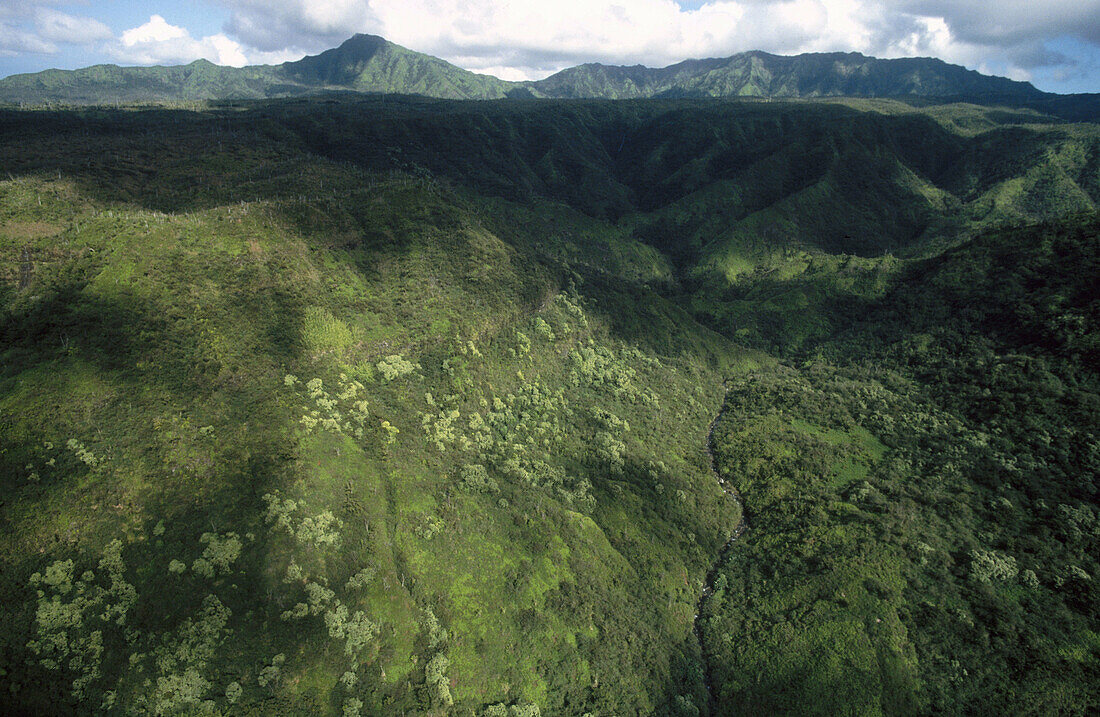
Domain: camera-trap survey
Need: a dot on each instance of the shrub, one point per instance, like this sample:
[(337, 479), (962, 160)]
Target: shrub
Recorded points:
[(988, 565), (396, 366)]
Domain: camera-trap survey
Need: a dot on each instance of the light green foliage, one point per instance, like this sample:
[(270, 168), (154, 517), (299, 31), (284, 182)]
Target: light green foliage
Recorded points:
[(989, 565), (360, 632), (323, 333), (352, 706), (322, 529), (360, 580), (349, 680), (318, 598), (270, 674), (610, 450), (440, 428), (530, 710), (503, 710), (437, 635), (357, 631), (600, 367), (233, 692), (345, 412), (430, 527), (523, 344), (71, 619), (435, 674), (58, 576), (221, 551), (475, 478), (203, 567), (82, 453), (167, 283), (396, 366), (299, 611), (280, 512), (182, 659), (543, 330), (389, 433), (177, 567)]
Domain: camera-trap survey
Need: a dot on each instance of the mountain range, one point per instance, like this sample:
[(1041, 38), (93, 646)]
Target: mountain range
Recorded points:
[(367, 403), (371, 64)]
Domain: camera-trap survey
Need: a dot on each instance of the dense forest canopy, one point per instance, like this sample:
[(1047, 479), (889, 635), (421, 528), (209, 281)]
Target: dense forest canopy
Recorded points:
[(394, 405)]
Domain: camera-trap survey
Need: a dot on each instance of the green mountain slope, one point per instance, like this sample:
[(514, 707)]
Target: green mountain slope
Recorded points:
[(368, 63), (400, 406), (761, 74), (364, 63), (922, 501), (100, 84)]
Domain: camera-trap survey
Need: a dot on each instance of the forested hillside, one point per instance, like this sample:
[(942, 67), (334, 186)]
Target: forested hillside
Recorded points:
[(357, 405), (372, 64)]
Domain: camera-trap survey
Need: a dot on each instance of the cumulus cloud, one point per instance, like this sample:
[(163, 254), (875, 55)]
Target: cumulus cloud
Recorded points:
[(35, 28), (55, 26), (530, 38), (1008, 22), (158, 42), (15, 41)]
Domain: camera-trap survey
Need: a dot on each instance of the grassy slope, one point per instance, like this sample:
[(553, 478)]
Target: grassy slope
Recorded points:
[(160, 342), (165, 271)]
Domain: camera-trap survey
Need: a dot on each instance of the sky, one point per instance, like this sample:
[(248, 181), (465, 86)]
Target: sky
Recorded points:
[(1055, 44)]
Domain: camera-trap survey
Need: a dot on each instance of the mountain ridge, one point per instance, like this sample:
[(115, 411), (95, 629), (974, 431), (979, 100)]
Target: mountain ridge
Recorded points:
[(372, 64)]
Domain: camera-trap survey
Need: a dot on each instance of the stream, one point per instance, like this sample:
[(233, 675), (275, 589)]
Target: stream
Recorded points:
[(712, 573)]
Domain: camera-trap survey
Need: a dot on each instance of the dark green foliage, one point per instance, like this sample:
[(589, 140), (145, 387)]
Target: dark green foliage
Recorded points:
[(931, 579), (398, 406)]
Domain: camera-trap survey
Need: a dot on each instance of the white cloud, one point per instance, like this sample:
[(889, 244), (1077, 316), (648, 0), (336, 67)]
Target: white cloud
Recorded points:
[(32, 27), (157, 30), (158, 42), (528, 39), (60, 27), (531, 38), (1008, 22), (14, 41)]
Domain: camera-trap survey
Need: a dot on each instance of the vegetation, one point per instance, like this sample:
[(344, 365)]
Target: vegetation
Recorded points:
[(371, 64), (394, 406)]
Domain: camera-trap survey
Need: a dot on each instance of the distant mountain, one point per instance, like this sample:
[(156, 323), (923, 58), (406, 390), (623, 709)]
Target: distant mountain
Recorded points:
[(368, 63), (110, 83), (364, 63), (761, 74)]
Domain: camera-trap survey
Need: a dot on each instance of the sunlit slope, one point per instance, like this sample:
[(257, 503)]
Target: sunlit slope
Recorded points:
[(400, 406), (357, 446), (765, 211)]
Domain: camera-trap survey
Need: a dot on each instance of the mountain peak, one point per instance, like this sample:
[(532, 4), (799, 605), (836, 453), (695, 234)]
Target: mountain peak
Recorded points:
[(370, 63), (363, 41)]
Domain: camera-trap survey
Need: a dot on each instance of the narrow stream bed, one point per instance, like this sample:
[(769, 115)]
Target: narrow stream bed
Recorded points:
[(712, 573)]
